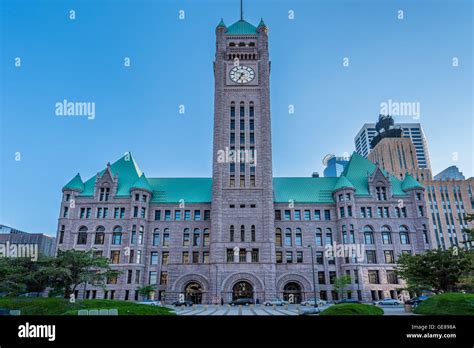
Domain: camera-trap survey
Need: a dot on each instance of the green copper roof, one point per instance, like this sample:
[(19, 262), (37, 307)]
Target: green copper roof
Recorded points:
[(142, 183), (241, 28), (357, 170), (261, 24), (303, 190), (343, 182), (75, 184), (410, 183), (128, 173), (199, 190), (173, 190)]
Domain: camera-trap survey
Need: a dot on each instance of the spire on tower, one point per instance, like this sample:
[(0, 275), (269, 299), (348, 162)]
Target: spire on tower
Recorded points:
[(241, 10)]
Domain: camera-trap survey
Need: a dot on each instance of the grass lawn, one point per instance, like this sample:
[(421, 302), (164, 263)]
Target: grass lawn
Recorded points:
[(450, 303), (352, 309), (59, 306)]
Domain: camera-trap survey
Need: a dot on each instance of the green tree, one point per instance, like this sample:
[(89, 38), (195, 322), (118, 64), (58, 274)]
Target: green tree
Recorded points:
[(146, 290), (76, 267), (436, 270), (341, 283)]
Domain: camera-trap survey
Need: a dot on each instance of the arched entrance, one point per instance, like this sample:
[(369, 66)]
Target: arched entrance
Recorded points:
[(242, 289), (292, 292), (193, 292)]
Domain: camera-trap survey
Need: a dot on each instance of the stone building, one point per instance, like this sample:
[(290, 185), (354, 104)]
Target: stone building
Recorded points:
[(244, 233)]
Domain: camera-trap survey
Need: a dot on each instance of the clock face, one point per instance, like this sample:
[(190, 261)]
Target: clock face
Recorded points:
[(242, 74)]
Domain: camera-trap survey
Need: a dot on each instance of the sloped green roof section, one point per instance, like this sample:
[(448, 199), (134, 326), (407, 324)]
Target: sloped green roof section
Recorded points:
[(343, 182), (261, 24), (410, 183), (173, 190), (142, 184), (128, 173), (357, 171), (241, 27), (303, 190), (75, 184), (221, 23)]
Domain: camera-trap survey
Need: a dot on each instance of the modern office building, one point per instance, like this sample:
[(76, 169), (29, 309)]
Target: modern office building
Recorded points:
[(450, 173), (334, 165), (46, 244), (448, 196), (414, 131), (242, 232)]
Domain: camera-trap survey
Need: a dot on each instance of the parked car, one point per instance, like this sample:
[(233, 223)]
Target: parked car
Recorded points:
[(347, 300), (150, 302), (415, 301), (310, 302), (309, 311), (185, 303), (276, 302), (242, 301), (387, 301)]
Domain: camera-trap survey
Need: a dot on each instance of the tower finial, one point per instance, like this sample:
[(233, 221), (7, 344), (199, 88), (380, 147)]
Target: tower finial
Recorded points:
[(241, 10)]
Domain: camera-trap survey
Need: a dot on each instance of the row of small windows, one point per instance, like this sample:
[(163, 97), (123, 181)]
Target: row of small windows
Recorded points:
[(242, 56), (306, 215), (241, 44), (140, 212), (242, 255), (232, 233), (251, 110)]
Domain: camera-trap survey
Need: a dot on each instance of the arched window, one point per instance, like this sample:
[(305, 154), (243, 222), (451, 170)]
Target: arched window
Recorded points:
[(231, 233), (232, 109), (251, 109), (368, 235), (186, 237), (206, 237), (242, 109), (82, 236), (140, 235), (156, 237), (61, 234), (278, 240), (99, 235), (386, 235), (403, 228), (288, 240), (252, 232), (328, 236), (166, 237), (197, 237), (116, 235), (319, 237), (344, 235), (242, 233), (298, 237), (404, 236)]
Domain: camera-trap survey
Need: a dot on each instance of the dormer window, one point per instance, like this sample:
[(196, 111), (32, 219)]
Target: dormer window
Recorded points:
[(232, 44), (381, 193), (241, 44), (104, 194), (251, 44)]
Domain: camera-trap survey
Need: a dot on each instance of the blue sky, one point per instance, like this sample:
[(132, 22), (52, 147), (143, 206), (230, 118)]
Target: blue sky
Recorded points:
[(406, 60)]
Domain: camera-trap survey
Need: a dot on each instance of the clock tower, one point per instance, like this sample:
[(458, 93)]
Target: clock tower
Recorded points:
[(242, 214)]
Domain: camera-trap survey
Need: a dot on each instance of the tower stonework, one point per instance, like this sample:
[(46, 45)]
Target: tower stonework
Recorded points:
[(242, 190)]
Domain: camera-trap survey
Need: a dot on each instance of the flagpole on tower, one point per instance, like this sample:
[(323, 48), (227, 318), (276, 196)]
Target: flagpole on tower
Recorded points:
[(241, 10)]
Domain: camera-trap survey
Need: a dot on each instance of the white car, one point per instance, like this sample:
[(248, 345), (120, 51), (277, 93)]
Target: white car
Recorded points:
[(387, 301), (276, 302), (310, 302), (150, 302)]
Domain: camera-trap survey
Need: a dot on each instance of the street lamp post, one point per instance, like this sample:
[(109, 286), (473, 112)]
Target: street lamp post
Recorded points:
[(314, 277)]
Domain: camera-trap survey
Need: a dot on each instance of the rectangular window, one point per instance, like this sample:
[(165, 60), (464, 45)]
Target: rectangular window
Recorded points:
[(319, 257), (297, 215), (166, 239), (374, 277), (167, 215), (328, 238), (197, 215), (307, 215), (386, 213), (116, 213), (154, 258), (88, 213), (298, 239), (185, 257), (278, 215), (299, 257), (187, 215), (152, 277), (137, 276), (317, 215), (143, 213), (157, 215), (165, 258), (362, 212), (139, 256), (287, 215), (327, 214), (279, 257), (332, 277), (319, 239), (371, 256), (289, 257), (321, 278), (164, 278), (386, 238), (135, 212), (177, 215), (254, 255), (205, 257), (288, 238), (341, 212), (230, 255), (388, 256), (392, 277), (83, 213), (156, 239), (115, 256), (207, 215), (404, 238), (421, 211), (129, 276), (369, 212), (349, 210)]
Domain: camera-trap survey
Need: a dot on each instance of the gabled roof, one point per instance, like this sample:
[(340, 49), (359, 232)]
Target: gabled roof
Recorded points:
[(410, 183), (142, 184), (359, 168), (75, 184), (128, 173), (241, 27), (221, 23), (343, 182)]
